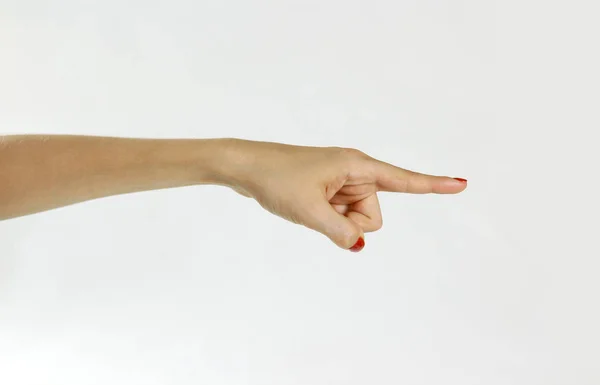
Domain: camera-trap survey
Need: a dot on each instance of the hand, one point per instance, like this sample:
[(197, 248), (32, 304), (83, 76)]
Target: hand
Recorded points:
[(328, 189)]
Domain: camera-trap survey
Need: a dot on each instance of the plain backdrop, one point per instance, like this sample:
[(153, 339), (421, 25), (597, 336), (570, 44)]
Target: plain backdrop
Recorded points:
[(498, 285)]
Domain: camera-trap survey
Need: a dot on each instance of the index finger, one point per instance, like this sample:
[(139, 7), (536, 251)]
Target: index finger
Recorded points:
[(395, 179)]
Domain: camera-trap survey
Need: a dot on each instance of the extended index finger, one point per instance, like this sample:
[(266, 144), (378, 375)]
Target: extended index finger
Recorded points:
[(395, 179)]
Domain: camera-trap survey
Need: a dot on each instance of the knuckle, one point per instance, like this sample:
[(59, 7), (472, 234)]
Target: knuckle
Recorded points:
[(377, 224), (350, 153)]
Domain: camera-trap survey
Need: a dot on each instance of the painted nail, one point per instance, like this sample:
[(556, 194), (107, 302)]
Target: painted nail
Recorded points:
[(358, 246), (461, 180)]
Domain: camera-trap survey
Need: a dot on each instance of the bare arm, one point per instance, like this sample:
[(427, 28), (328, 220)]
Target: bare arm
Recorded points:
[(328, 189), (39, 173)]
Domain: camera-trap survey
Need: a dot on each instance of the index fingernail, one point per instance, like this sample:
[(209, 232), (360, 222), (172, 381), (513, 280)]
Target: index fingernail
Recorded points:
[(461, 180)]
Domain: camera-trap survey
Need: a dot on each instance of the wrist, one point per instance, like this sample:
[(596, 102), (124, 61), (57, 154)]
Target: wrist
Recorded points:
[(220, 162)]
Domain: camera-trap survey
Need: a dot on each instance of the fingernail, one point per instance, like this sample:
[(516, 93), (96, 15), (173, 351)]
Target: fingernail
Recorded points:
[(358, 246), (461, 180)]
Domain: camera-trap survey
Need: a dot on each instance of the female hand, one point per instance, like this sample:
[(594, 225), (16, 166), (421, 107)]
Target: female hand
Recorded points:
[(328, 189)]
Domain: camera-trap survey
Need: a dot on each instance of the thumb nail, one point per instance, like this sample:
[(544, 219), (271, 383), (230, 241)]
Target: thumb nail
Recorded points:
[(358, 246)]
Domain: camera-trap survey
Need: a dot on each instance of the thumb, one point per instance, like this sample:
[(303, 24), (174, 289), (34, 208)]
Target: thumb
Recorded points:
[(343, 231)]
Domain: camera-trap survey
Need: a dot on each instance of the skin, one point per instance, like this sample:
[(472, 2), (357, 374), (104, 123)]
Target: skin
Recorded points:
[(331, 190)]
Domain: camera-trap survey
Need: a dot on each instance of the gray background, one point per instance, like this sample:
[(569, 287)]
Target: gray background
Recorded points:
[(197, 285)]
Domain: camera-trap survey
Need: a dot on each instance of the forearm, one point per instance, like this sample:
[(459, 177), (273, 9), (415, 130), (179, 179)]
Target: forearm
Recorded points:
[(39, 173)]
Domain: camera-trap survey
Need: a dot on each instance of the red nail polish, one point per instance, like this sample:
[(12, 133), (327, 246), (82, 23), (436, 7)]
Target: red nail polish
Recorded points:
[(358, 246), (461, 180)]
